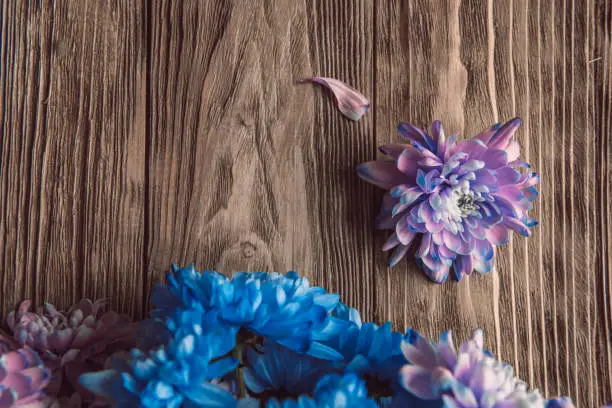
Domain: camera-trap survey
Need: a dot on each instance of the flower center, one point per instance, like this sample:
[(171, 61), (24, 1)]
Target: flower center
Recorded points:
[(466, 203)]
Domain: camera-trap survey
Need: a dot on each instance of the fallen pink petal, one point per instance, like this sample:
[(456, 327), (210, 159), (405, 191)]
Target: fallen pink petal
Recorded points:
[(351, 102)]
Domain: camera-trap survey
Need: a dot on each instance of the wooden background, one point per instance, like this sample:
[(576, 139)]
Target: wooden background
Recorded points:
[(137, 134)]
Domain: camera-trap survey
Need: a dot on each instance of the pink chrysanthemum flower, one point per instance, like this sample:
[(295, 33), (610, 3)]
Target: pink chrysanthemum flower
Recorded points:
[(23, 377), (71, 342), (465, 378), (460, 198)]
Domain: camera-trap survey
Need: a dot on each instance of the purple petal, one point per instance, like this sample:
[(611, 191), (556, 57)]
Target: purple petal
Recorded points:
[(391, 243), (394, 149), (485, 177), (462, 266), (511, 193), (425, 245), (350, 101), (406, 193), (414, 134), (502, 137), (443, 251), (517, 225), (463, 367), (440, 137), (420, 352), (418, 381), (482, 266), (495, 158), (397, 255), (447, 351), (404, 234), (464, 395), (452, 241), (473, 148), (486, 135), (507, 175), (484, 250), (381, 173), (435, 270)]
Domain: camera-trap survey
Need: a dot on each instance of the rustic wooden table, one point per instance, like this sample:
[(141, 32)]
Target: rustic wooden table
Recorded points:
[(136, 134)]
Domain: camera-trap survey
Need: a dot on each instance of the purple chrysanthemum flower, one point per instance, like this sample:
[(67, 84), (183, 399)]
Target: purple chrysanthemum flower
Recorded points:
[(468, 377), (71, 342), (460, 197), (23, 377)]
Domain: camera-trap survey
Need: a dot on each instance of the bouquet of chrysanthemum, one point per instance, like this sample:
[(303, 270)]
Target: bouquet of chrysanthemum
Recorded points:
[(272, 340)]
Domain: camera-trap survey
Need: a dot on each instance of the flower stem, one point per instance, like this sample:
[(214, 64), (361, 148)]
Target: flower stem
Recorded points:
[(238, 355)]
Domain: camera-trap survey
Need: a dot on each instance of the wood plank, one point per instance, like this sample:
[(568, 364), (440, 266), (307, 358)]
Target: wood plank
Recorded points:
[(250, 170), (473, 63), (72, 181)]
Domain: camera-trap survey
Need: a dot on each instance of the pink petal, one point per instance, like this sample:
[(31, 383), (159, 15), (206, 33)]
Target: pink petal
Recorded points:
[(381, 173), (407, 162), (38, 377), (18, 383), (497, 234), (511, 193), (418, 381), (350, 102), (513, 150)]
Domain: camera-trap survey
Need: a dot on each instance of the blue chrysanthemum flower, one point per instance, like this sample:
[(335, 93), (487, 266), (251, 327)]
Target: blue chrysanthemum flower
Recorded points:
[(374, 353), (332, 391), (275, 370), (348, 314), (181, 373), (282, 308)]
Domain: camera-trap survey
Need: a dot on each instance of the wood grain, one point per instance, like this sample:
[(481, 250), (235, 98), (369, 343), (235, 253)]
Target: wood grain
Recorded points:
[(249, 169), (72, 144), (139, 134)]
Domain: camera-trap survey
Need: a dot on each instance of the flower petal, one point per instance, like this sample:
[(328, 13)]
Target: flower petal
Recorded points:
[(413, 133), (462, 266), (418, 381), (497, 234), (502, 137), (381, 173), (351, 102)]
